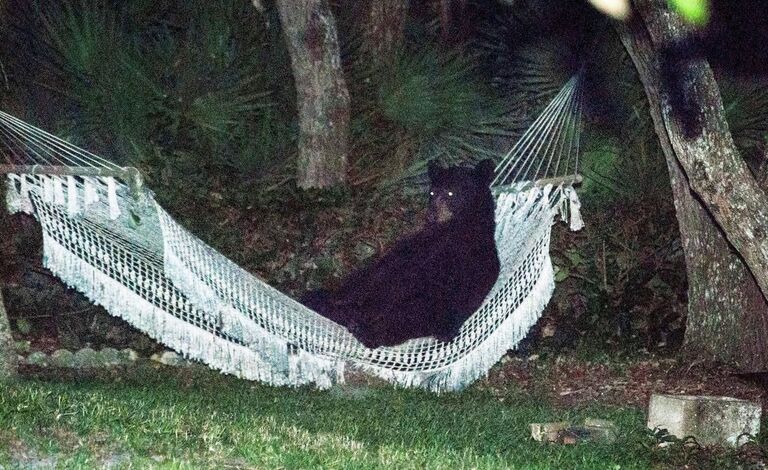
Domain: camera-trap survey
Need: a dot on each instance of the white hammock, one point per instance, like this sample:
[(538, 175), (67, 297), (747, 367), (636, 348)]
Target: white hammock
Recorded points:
[(110, 240)]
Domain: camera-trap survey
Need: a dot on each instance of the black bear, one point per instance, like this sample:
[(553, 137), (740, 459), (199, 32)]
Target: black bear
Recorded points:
[(429, 283)]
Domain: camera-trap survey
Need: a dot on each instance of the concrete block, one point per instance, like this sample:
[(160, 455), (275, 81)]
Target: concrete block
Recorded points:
[(711, 420)]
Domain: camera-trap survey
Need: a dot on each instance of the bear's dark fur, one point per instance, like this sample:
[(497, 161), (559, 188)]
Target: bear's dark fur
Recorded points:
[(429, 283)]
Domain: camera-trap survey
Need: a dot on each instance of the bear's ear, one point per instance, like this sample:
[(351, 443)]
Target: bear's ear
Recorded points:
[(434, 171), (484, 170)]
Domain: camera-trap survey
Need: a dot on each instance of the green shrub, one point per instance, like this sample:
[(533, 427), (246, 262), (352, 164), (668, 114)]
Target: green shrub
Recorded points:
[(429, 92), (107, 79), (746, 110), (430, 104), (136, 84)]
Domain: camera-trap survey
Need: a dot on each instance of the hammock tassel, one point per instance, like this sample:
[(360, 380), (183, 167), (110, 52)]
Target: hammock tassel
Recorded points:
[(114, 208), (58, 191), (17, 196), (574, 205), (71, 196), (47, 189), (90, 195)]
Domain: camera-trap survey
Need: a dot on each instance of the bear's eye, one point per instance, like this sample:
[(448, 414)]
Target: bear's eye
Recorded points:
[(431, 193), (450, 193)]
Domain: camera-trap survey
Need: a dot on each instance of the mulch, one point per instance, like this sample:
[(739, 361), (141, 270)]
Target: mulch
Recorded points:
[(570, 382)]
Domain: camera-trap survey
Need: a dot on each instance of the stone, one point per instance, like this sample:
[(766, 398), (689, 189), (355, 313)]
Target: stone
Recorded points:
[(39, 359), (128, 355), (169, 358), (62, 358), (111, 357), (87, 358), (363, 251), (723, 421), (547, 432)]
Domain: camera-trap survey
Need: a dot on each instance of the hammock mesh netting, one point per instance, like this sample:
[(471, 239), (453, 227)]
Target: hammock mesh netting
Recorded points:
[(106, 237)]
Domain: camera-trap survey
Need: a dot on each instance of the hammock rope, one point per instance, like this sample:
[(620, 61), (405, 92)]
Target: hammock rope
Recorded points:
[(129, 255)]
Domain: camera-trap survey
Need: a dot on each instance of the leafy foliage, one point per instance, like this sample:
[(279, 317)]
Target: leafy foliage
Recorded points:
[(746, 110), (138, 85), (428, 93), (432, 104)]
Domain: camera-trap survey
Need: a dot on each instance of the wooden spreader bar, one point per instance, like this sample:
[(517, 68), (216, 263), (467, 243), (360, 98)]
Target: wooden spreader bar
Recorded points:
[(128, 175)]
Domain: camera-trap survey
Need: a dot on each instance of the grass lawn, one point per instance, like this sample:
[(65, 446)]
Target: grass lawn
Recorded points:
[(162, 418)]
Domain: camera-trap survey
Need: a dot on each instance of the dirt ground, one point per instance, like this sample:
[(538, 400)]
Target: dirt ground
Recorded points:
[(571, 382)]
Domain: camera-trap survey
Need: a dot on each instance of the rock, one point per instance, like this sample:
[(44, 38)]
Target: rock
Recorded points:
[(547, 432), (363, 251), (111, 357), (62, 358), (574, 434), (711, 420), (87, 358), (39, 359), (169, 358), (128, 355)]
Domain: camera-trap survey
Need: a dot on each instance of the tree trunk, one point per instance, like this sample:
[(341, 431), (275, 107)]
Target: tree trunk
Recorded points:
[(454, 21), (322, 97), (383, 32), (727, 312), (8, 363), (692, 115)]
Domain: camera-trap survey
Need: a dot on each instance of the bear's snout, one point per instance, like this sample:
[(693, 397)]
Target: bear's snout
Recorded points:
[(441, 211)]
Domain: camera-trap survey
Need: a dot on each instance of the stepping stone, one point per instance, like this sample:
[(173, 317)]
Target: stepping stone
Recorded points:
[(711, 420)]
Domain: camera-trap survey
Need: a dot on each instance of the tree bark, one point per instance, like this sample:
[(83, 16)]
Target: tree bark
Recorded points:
[(706, 152), (322, 97), (8, 362), (383, 33), (453, 21), (716, 199)]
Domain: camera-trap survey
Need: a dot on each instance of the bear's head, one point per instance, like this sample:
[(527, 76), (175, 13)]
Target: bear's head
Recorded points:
[(459, 192)]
